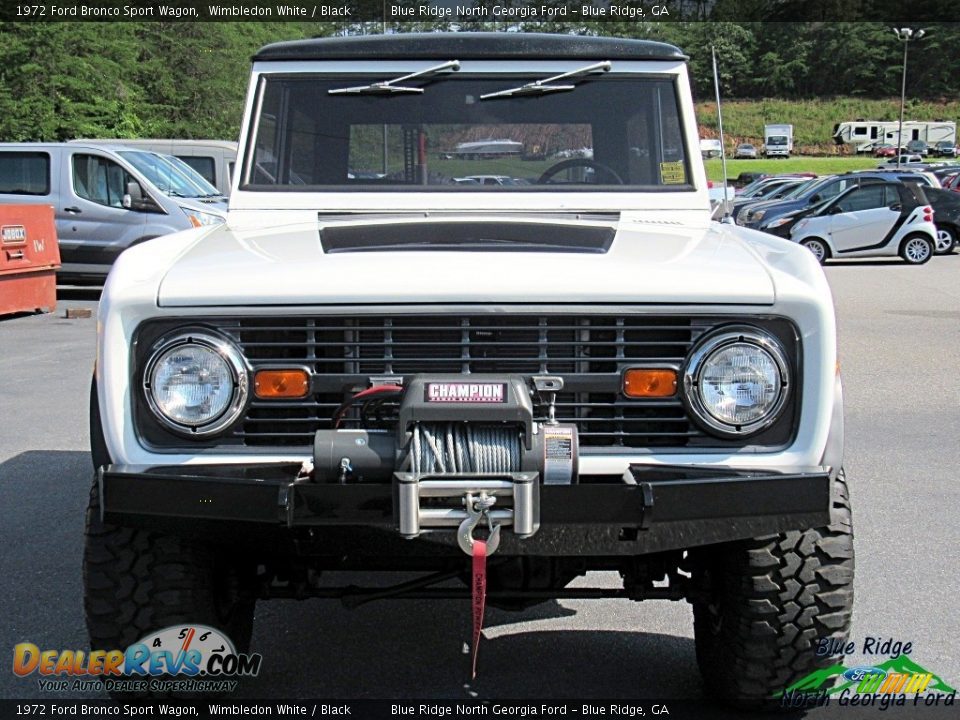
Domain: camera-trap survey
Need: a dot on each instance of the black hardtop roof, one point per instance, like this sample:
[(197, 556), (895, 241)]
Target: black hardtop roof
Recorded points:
[(469, 45)]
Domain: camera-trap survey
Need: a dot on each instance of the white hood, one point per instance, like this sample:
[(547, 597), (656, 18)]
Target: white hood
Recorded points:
[(648, 262)]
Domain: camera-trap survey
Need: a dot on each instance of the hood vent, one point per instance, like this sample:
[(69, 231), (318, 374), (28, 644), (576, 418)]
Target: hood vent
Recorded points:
[(467, 236)]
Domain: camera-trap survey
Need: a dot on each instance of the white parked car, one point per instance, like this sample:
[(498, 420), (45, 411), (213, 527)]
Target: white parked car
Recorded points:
[(876, 220), (489, 179), (369, 367), (911, 159)]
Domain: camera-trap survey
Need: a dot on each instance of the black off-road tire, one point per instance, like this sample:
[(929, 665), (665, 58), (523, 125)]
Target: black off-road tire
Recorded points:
[(771, 600), (139, 581)]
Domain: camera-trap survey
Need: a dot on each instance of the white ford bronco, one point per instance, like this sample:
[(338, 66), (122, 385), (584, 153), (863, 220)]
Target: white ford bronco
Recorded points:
[(469, 290)]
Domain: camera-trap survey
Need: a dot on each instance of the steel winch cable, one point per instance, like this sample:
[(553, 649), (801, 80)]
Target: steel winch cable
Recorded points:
[(464, 447)]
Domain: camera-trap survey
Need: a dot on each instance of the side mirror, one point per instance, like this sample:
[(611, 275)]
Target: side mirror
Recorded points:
[(134, 199), (134, 192), (835, 210), (814, 200)]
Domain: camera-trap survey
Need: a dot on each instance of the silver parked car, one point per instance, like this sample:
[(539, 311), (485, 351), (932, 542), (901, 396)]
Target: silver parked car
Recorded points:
[(746, 151)]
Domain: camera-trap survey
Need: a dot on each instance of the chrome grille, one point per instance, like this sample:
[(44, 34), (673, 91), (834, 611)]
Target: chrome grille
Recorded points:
[(589, 352)]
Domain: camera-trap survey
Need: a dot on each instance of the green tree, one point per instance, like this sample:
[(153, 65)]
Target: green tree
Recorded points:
[(61, 80)]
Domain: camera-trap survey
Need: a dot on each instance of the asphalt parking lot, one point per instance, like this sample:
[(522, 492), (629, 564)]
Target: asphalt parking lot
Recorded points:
[(899, 342)]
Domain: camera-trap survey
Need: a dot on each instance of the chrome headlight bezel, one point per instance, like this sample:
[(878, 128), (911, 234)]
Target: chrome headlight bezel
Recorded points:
[(719, 340), (233, 359)]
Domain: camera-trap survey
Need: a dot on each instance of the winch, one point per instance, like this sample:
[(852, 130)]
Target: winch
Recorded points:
[(466, 449)]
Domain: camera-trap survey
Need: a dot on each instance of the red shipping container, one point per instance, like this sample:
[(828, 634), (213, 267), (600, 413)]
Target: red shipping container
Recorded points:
[(29, 259)]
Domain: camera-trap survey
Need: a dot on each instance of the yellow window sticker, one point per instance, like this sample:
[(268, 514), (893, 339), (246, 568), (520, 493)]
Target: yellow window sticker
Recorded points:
[(673, 173)]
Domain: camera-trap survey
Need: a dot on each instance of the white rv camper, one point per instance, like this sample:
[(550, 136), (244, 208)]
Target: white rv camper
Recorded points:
[(866, 134)]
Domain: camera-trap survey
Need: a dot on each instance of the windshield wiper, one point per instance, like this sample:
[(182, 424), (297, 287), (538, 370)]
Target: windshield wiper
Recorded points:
[(389, 87), (541, 87)]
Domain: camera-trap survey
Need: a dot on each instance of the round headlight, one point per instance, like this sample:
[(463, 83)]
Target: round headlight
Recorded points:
[(737, 382), (196, 383)]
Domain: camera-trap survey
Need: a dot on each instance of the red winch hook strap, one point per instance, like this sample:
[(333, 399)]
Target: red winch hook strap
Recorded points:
[(479, 594)]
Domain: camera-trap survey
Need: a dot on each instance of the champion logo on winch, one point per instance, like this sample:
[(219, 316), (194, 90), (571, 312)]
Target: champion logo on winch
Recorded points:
[(466, 392)]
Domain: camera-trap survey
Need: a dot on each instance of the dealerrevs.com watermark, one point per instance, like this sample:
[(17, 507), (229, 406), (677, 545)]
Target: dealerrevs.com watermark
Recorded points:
[(177, 659)]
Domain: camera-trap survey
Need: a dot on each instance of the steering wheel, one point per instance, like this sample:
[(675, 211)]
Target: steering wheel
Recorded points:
[(548, 174)]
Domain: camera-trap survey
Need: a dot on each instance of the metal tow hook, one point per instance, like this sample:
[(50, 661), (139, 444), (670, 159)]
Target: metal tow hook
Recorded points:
[(477, 509)]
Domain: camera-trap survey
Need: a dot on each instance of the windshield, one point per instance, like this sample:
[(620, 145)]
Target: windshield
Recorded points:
[(199, 180), (813, 186), (801, 189), (777, 140), (449, 137), (781, 191), (163, 174), (774, 189), (817, 208), (757, 187)]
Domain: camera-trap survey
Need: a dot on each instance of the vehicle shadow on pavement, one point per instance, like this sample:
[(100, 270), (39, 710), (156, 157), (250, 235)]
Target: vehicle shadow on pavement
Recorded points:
[(17, 316), (44, 496), (416, 649), (318, 648)]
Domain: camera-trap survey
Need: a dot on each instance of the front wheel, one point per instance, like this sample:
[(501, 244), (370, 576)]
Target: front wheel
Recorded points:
[(819, 249), (766, 603), (946, 240), (917, 249), (138, 581)]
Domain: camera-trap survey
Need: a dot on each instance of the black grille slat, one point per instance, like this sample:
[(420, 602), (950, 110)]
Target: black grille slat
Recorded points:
[(341, 350), (461, 343)]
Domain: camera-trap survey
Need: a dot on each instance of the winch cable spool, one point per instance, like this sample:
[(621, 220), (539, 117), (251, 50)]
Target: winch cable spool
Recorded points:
[(464, 448)]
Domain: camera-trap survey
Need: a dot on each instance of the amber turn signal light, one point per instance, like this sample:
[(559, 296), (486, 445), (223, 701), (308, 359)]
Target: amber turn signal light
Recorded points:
[(650, 382), (279, 384)]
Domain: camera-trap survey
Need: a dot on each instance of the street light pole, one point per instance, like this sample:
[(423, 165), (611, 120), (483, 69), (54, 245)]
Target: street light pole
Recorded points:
[(905, 35)]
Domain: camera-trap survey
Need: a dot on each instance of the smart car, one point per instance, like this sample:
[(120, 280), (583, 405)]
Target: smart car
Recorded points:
[(875, 220)]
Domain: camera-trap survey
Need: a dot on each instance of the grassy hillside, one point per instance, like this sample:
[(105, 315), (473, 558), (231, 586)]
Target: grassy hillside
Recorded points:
[(812, 120), (817, 165)]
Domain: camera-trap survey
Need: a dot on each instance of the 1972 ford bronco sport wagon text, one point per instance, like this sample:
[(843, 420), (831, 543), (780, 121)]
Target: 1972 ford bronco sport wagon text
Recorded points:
[(380, 363)]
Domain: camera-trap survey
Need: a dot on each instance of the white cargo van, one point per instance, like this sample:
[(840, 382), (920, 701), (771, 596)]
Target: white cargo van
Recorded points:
[(105, 199)]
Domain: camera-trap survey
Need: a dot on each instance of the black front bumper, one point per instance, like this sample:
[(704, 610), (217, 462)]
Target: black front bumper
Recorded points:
[(663, 508)]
